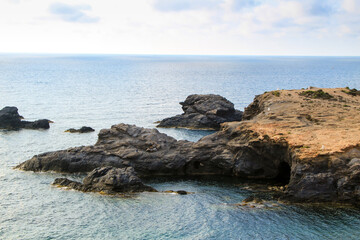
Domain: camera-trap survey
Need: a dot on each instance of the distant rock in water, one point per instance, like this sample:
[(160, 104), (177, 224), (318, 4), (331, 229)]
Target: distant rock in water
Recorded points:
[(180, 192), (203, 112), (81, 130), (11, 120), (42, 123), (108, 180)]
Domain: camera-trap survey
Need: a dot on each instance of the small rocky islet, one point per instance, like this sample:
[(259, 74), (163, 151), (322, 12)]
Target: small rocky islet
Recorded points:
[(310, 139), (10, 119), (83, 129)]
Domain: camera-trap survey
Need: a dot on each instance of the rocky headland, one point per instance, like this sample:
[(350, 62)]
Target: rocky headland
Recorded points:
[(309, 139), (203, 112), (11, 120)]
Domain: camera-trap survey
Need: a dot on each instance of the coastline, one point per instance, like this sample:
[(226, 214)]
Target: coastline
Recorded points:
[(252, 148)]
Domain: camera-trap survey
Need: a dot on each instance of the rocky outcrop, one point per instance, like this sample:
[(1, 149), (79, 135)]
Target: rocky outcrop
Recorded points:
[(149, 152), (311, 144), (254, 108), (83, 129), (11, 120), (321, 129), (203, 112), (107, 180)]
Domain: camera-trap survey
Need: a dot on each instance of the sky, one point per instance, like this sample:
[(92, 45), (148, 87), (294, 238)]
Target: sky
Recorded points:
[(195, 27)]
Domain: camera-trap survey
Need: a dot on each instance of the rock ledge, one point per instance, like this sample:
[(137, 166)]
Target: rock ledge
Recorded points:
[(107, 180)]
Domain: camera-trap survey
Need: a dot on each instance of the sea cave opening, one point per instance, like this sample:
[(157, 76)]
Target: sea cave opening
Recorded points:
[(196, 164), (284, 173)]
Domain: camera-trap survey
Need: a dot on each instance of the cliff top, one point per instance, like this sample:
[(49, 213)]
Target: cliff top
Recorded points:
[(313, 121)]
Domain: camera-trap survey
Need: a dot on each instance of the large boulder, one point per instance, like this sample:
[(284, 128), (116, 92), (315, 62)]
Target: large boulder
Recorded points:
[(11, 120), (203, 112), (108, 180)]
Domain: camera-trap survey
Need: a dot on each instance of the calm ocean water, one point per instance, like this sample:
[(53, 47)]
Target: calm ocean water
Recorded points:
[(100, 91)]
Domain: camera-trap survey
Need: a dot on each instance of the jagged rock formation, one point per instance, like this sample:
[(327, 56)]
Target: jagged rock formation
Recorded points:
[(108, 180), (83, 129), (153, 153), (11, 120), (203, 112), (313, 144)]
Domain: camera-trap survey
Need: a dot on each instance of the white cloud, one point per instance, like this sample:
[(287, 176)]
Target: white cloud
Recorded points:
[(306, 27), (351, 6), (184, 5), (72, 13)]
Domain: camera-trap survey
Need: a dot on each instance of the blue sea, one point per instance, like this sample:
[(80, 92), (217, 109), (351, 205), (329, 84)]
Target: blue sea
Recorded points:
[(102, 90)]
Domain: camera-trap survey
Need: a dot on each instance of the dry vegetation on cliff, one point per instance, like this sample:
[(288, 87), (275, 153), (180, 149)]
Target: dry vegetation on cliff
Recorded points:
[(314, 122)]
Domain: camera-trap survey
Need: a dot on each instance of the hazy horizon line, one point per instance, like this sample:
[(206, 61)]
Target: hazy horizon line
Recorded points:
[(170, 54)]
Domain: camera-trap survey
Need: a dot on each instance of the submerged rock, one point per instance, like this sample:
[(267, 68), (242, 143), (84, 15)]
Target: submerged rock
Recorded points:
[(203, 112), (180, 192), (83, 129), (11, 120), (252, 199), (108, 180)]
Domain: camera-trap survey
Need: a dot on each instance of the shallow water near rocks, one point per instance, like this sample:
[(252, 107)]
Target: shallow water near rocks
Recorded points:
[(99, 91)]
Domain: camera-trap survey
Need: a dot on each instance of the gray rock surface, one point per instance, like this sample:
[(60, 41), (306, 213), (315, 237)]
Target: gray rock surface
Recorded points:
[(203, 112), (233, 151), (108, 180), (151, 153)]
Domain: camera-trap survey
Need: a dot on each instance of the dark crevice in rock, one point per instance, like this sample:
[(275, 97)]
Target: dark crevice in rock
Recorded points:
[(284, 173), (196, 164)]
